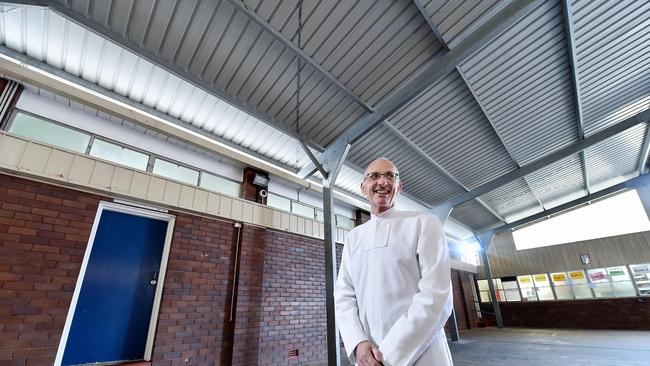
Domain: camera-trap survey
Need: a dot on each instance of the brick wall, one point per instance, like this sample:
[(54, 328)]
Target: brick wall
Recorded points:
[(279, 293), (465, 315), (624, 313), (43, 234)]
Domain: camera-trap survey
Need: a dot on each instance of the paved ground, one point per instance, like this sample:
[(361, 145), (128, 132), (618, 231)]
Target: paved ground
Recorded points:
[(551, 347)]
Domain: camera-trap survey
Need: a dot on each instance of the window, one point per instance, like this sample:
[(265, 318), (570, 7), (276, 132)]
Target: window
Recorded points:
[(543, 287), (301, 209), (600, 282), (50, 133), (617, 215), (527, 287), (641, 275), (484, 291), (320, 215), (562, 286), (118, 154), (623, 286), (580, 285), (511, 288), (344, 222), (218, 184), (279, 202), (175, 171)]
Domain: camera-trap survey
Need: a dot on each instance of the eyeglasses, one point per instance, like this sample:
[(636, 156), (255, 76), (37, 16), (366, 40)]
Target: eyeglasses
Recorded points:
[(391, 176)]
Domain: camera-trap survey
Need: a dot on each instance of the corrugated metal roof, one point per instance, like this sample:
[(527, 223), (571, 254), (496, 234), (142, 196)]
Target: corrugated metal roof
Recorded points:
[(474, 215), (615, 159), (511, 199), (456, 19), (523, 81), (443, 132), (85, 54), (230, 68), (613, 60), (559, 182)]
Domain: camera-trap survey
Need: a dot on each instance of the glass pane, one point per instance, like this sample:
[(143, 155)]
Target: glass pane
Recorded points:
[(603, 289), (624, 289), (303, 210), (118, 154), (641, 274), (501, 296), (582, 291), (176, 172), (563, 292), (513, 295), (577, 277), (344, 222), (525, 281), (49, 133), (218, 184), (320, 215), (545, 293), (541, 280), (497, 283), (559, 279), (279, 202), (485, 296), (598, 275), (483, 285), (618, 273), (528, 294)]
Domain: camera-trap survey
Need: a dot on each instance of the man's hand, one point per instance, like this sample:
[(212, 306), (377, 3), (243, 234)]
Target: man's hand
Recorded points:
[(368, 355)]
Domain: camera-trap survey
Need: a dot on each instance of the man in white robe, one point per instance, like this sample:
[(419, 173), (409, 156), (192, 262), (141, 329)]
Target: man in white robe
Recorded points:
[(393, 291)]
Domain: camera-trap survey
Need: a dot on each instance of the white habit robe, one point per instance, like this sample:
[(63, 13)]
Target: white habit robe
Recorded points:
[(394, 289)]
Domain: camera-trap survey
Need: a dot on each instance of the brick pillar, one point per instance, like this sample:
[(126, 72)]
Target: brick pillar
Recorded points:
[(249, 190), (361, 217), (9, 90)]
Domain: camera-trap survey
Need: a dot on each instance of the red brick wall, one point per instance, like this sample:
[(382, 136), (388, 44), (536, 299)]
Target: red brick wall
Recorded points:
[(43, 234), (465, 315), (624, 313), (193, 324)]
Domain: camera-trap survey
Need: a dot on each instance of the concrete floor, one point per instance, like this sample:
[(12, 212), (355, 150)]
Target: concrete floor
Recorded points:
[(551, 347)]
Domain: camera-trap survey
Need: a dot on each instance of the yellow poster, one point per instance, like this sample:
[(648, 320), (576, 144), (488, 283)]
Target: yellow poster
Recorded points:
[(540, 278), (524, 279), (559, 277), (577, 275)]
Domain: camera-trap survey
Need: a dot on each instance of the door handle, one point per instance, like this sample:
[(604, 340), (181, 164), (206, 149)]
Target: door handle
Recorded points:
[(154, 280)]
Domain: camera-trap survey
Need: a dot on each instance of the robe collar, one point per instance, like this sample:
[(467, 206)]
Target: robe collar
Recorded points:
[(391, 212)]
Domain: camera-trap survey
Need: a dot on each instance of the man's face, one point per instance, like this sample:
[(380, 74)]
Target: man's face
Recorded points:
[(381, 191)]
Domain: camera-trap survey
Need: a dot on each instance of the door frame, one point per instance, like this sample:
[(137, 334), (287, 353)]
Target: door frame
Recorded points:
[(136, 211)]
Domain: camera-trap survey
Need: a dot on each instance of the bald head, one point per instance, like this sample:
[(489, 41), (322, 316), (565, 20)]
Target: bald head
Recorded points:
[(381, 185)]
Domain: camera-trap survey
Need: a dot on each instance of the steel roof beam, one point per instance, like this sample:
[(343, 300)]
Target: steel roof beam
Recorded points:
[(642, 180), (108, 34), (644, 151), (573, 61), (437, 166), (239, 5), (574, 148), (436, 33), (436, 70), (432, 25)]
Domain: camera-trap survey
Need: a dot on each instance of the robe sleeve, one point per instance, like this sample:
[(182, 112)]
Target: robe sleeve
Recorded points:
[(414, 331), (346, 308)]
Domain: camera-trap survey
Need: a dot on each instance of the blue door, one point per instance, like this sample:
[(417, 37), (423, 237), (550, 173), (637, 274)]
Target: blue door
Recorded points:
[(111, 318)]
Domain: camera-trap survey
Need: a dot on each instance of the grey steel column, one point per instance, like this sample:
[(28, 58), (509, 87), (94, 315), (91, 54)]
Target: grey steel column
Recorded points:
[(454, 326), (485, 239), (333, 348)]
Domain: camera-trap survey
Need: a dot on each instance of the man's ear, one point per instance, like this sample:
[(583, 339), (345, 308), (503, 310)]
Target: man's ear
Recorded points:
[(363, 191), (400, 186)]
